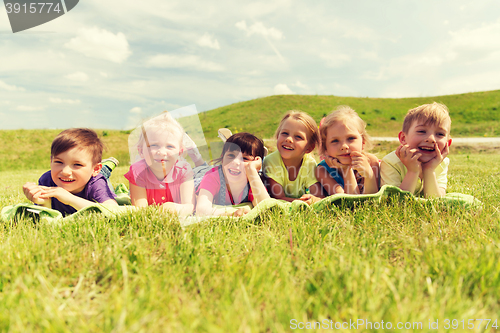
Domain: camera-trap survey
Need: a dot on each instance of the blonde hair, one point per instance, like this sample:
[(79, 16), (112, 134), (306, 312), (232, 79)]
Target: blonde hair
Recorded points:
[(307, 121), (344, 113), (435, 113), (162, 123)]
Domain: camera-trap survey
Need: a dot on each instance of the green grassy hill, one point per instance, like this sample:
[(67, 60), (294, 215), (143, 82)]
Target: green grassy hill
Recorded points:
[(473, 114)]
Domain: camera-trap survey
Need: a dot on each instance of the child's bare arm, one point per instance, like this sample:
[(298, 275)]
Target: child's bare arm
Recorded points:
[(70, 199), (327, 182), (350, 183), (138, 196), (431, 187), (409, 157), (258, 189), (367, 165), (186, 206)]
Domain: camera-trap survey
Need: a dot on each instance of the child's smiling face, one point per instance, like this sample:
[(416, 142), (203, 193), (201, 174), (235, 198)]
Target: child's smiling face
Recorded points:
[(233, 165), (73, 169), (426, 138), (342, 138), (292, 142), (163, 151)]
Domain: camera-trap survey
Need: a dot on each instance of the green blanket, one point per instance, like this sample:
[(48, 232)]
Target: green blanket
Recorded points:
[(338, 201), (43, 214), (341, 201)]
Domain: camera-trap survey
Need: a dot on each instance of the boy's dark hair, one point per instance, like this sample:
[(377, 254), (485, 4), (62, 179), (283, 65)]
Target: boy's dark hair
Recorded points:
[(246, 143), (83, 138)]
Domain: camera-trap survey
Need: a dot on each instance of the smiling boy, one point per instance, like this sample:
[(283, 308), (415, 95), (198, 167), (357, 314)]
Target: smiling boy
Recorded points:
[(420, 164), (74, 181)]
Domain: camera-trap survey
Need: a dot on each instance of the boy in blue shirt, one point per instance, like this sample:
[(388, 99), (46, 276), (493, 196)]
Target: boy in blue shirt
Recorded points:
[(74, 180)]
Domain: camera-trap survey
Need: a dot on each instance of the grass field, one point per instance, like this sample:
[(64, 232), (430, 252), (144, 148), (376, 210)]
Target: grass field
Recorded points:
[(397, 262)]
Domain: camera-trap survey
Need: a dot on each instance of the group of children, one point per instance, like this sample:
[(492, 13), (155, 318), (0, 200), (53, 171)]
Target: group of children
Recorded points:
[(162, 177)]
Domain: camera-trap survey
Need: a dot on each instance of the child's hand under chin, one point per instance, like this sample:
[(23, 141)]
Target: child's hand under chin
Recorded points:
[(436, 160), (333, 162), (409, 158), (256, 164), (57, 192), (34, 193), (361, 164)]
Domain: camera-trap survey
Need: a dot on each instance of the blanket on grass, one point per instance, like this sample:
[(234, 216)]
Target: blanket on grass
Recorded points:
[(337, 201), (43, 214)]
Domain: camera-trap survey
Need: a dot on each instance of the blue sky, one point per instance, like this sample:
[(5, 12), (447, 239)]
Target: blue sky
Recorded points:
[(109, 64)]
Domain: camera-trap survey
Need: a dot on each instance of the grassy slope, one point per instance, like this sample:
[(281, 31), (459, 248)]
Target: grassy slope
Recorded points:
[(472, 114)]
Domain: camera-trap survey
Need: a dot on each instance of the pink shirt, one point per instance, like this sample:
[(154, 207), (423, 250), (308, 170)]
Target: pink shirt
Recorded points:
[(211, 183), (160, 191)]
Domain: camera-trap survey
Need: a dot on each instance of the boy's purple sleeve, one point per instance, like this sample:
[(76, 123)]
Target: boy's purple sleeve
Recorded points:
[(97, 190)]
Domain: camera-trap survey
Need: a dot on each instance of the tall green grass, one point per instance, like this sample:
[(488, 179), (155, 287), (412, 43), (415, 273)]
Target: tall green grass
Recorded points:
[(395, 261)]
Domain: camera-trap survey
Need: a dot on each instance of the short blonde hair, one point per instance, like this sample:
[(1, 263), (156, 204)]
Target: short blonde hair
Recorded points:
[(307, 121), (162, 123), (435, 113), (344, 114)]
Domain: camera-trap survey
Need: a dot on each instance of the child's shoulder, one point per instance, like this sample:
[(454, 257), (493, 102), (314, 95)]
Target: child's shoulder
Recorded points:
[(139, 165), (391, 157), (211, 179), (273, 158), (95, 180), (46, 179), (309, 161)]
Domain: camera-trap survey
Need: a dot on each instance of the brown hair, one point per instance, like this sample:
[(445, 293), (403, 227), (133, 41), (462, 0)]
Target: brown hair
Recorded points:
[(344, 113), (307, 121), (246, 143), (435, 113), (83, 138)]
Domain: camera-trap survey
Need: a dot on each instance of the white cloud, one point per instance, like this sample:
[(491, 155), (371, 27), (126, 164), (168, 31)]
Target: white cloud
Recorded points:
[(208, 41), (78, 76), (101, 44), (64, 101), (184, 61), (483, 38), (136, 110), (260, 29), (282, 89), (29, 108), (8, 87), (104, 74), (299, 84), (335, 60)]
